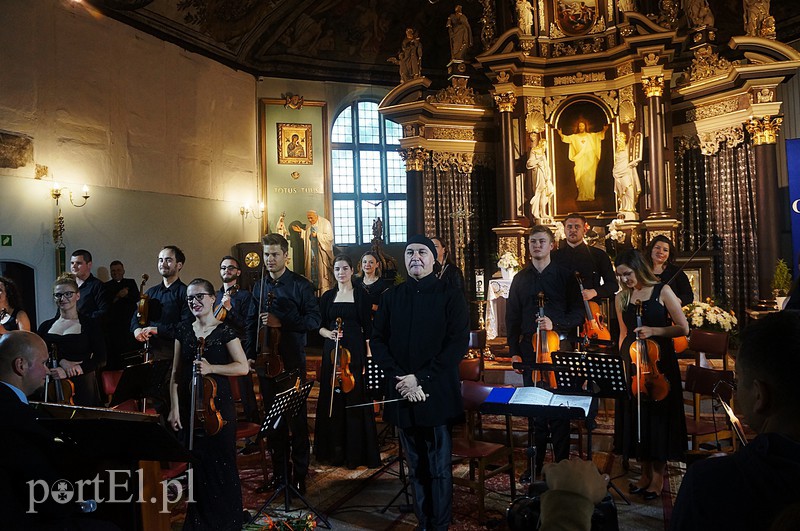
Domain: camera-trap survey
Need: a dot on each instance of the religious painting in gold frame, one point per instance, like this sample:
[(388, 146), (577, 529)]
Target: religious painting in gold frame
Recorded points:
[(295, 144), (576, 17)]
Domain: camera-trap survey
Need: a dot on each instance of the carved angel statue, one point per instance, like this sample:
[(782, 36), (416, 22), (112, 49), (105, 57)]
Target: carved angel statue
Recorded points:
[(626, 177), (543, 188), (626, 5), (525, 16), (410, 57), (757, 20)]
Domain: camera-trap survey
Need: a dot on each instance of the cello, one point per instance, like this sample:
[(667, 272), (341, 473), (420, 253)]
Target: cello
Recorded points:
[(594, 326), (204, 396), (544, 342), (341, 377)]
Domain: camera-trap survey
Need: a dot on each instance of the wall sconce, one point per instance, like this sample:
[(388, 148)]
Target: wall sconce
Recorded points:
[(245, 211), (57, 190)]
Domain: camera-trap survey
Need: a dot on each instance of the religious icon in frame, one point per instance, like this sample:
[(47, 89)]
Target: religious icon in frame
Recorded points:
[(576, 17), (294, 144)]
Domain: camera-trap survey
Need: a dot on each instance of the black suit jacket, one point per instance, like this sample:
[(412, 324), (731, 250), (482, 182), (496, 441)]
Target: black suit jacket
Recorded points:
[(93, 301)]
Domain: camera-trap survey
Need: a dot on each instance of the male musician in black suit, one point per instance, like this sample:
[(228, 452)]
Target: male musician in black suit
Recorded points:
[(166, 306), (94, 301), (295, 310), (419, 336), (594, 265), (123, 295), (239, 315), (562, 314)]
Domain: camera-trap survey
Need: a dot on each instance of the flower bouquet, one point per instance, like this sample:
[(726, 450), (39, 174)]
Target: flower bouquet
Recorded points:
[(708, 316), (508, 265)]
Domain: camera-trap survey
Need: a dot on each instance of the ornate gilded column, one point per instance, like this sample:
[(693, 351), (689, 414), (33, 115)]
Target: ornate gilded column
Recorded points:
[(764, 132), (415, 164), (505, 103), (653, 85)]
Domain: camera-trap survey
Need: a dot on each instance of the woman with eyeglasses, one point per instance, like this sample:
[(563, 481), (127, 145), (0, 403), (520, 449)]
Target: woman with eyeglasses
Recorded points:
[(80, 347), (217, 491), (12, 316)]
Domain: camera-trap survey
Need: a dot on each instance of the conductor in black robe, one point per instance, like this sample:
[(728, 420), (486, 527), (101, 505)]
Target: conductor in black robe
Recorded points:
[(419, 336)]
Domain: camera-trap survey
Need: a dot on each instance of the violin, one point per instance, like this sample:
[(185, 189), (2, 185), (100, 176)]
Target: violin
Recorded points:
[(269, 337), (62, 390), (594, 326), (544, 342), (220, 312), (341, 377), (143, 305), (645, 355), (204, 396)]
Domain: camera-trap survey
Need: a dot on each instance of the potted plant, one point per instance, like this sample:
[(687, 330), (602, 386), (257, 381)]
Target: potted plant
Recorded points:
[(781, 282), (508, 265)]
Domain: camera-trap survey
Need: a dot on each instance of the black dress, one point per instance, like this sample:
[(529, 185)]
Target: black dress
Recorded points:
[(374, 290), (88, 347), (12, 323), (680, 285), (350, 436), (663, 422), (217, 491)]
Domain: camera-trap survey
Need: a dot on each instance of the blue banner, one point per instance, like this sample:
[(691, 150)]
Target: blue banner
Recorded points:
[(793, 163)]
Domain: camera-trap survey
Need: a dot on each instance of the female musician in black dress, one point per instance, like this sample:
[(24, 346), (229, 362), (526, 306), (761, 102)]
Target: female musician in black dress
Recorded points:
[(12, 316), (663, 426), (349, 436), (445, 269), (660, 255), (370, 279), (217, 491), (78, 340)]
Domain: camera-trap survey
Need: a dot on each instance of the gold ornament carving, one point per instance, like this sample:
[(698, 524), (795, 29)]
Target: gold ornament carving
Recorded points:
[(580, 77), (624, 69), (534, 104), (458, 92), (764, 130), (610, 99), (505, 101), (446, 161), (599, 26), (294, 102), (450, 133), (414, 158), (560, 49), (706, 64), (527, 45), (488, 27), (542, 24), (415, 129), (503, 77), (653, 86), (532, 80), (668, 18), (627, 111), (709, 141), (651, 59), (555, 31), (710, 110), (551, 103)]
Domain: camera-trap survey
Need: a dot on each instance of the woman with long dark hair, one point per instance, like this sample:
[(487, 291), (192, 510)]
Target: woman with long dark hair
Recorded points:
[(445, 268), (12, 316), (346, 436), (663, 425), (660, 256), (370, 278), (217, 491)]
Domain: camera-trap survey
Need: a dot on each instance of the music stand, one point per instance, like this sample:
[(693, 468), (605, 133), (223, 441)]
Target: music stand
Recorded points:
[(142, 381), (596, 375), (401, 464), (285, 406)]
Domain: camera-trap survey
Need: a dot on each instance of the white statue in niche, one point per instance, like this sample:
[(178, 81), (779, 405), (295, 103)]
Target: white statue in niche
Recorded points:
[(543, 188), (626, 5), (525, 17), (626, 177)]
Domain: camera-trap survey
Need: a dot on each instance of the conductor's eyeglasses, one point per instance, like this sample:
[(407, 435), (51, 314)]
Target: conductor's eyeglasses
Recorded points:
[(66, 295)]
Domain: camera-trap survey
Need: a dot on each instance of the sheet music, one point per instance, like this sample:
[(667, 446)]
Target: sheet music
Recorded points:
[(536, 396)]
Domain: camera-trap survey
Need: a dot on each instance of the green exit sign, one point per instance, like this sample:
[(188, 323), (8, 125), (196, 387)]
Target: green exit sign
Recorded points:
[(5, 240)]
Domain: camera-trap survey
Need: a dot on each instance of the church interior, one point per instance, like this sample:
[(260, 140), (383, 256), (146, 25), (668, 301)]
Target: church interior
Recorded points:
[(128, 125)]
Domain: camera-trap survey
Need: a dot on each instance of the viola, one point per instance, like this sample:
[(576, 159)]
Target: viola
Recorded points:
[(341, 377), (143, 305), (204, 397), (220, 312), (594, 326), (544, 342), (62, 390), (269, 337), (649, 381)]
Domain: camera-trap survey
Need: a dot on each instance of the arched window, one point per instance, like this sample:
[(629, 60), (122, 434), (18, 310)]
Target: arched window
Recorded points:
[(368, 175)]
